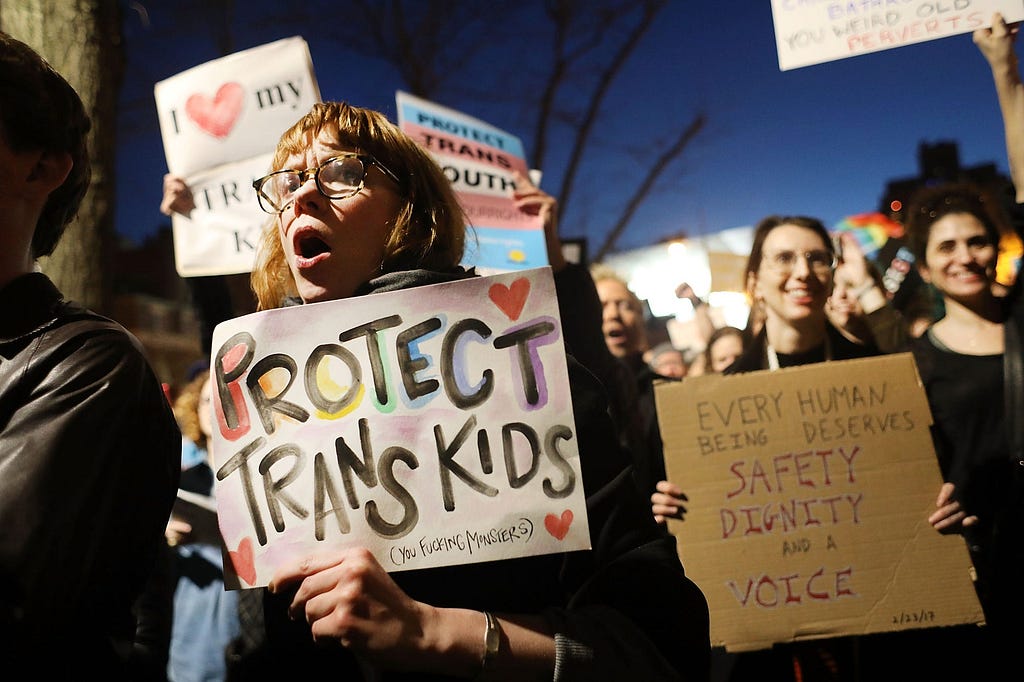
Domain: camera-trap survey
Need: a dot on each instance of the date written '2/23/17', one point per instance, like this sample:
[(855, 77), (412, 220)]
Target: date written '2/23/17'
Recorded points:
[(905, 618)]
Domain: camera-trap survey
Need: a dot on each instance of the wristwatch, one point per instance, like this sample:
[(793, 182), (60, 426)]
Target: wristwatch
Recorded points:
[(492, 641)]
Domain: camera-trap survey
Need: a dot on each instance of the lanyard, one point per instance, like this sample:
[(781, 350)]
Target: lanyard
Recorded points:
[(773, 358)]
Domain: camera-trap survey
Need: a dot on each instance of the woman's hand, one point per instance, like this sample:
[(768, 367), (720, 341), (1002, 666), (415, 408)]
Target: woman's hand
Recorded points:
[(533, 201), (854, 272), (349, 599), (177, 196), (949, 517), (996, 43), (177, 533), (853, 267), (667, 502)]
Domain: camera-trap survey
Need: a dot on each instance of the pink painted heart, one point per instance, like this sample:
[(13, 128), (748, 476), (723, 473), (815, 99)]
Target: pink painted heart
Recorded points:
[(558, 527), (216, 116), (510, 299), (243, 561)]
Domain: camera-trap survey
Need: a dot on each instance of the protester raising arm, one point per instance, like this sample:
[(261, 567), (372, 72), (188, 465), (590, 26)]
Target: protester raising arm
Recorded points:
[(701, 312), (996, 44)]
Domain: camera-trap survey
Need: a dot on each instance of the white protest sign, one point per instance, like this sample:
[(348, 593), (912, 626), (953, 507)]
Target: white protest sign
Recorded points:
[(814, 31), (220, 236), (235, 107), (478, 159), (220, 122), (432, 426)]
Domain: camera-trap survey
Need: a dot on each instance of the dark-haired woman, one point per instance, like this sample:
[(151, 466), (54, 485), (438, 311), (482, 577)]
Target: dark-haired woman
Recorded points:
[(954, 231)]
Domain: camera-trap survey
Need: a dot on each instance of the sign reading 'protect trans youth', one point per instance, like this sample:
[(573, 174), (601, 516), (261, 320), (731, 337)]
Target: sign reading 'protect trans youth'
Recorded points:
[(432, 426), (479, 160)]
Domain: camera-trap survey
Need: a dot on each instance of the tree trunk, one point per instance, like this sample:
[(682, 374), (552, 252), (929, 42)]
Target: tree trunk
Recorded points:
[(82, 40)]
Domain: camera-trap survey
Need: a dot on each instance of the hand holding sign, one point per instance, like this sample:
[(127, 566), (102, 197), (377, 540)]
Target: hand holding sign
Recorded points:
[(334, 585)]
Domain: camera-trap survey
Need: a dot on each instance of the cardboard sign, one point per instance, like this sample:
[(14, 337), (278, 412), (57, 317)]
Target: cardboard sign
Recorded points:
[(220, 122), (814, 31), (479, 159), (432, 426), (810, 489)]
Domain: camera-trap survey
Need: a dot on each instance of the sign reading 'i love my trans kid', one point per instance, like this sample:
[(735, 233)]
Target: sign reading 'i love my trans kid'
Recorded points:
[(432, 426), (220, 122)]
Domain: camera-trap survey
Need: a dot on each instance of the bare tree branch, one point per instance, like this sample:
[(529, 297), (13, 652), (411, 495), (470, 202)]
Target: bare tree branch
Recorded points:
[(647, 184), (650, 10), (563, 14)]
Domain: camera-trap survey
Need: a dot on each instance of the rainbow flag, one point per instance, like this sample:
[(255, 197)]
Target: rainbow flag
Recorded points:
[(872, 231)]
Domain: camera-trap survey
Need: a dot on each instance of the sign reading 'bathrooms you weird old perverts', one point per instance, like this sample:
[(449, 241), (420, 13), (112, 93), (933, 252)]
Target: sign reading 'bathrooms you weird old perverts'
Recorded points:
[(432, 426), (814, 31)]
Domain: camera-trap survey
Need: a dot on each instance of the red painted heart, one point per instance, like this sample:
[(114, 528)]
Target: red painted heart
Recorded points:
[(558, 527), (243, 562), (510, 298), (217, 116)]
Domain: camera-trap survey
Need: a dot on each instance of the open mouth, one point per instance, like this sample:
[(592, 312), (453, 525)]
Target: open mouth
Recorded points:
[(309, 245), (312, 246)]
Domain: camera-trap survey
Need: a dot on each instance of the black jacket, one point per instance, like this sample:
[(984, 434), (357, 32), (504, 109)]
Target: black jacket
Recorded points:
[(89, 467)]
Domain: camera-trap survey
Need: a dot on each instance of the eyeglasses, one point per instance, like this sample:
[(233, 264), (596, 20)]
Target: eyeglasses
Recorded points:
[(339, 177), (819, 261)]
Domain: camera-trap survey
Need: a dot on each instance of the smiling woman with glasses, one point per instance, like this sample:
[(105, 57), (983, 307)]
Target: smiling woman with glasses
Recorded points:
[(789, 278)]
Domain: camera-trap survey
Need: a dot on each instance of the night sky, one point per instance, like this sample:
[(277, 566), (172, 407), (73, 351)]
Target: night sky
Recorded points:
[(820, 140)]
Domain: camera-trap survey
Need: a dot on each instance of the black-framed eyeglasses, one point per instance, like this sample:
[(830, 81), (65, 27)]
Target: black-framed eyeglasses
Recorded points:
[(819, 261), (339, 177)]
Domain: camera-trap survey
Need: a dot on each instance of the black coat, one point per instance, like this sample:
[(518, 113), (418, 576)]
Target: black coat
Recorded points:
[(89, 465)]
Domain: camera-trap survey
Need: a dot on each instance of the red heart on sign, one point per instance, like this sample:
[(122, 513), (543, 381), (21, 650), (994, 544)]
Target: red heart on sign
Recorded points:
[(510, 298), (558, 527), (217, 116), (242, 560)]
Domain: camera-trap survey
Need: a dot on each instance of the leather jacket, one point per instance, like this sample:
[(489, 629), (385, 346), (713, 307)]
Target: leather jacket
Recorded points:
[(89, 468)]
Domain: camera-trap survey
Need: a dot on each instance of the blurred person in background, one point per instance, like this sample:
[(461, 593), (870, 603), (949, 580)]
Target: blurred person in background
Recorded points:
[(205, 613), (860, 308), (724, 346), (668, 361), (625, 333)]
